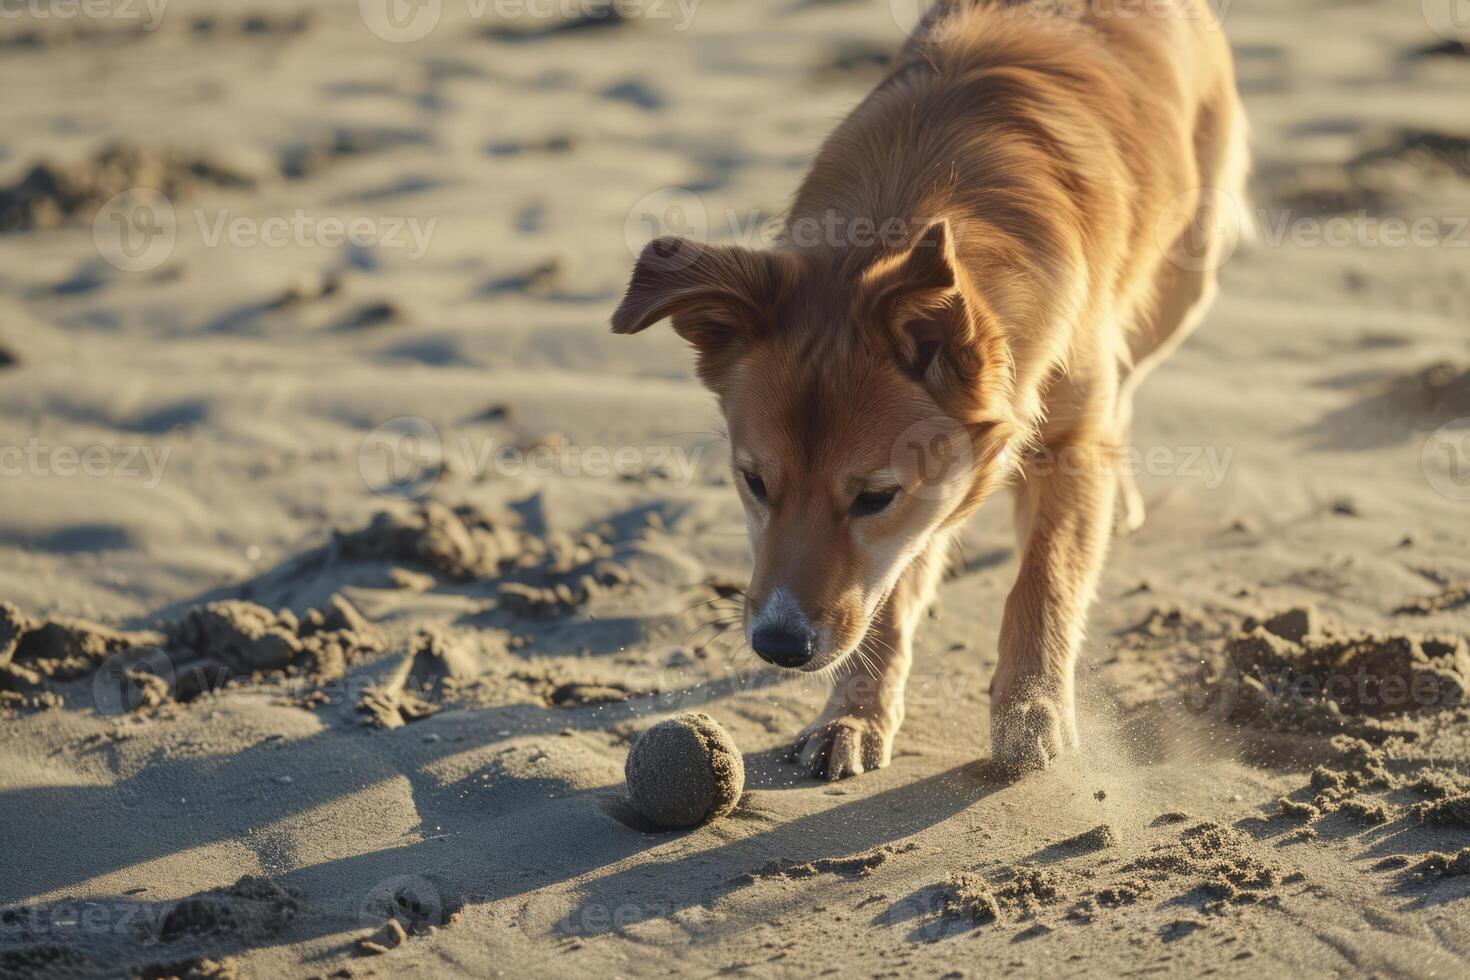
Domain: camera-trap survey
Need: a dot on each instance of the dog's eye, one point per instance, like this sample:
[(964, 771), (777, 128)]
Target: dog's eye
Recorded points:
[(872, 501), (757, 486)]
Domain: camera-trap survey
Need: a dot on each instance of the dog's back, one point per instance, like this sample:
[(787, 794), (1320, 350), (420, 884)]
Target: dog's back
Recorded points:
[(1055, 143)]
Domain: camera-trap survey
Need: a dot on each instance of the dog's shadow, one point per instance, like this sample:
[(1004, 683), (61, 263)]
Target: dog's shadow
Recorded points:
[(840, 831)]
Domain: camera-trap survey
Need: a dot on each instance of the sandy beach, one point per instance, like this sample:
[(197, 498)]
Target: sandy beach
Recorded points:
[(344, 551)]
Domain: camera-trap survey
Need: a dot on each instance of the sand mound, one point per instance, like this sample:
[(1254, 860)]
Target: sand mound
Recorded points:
[(1023, 891), (206, 649), (544, 575), (1433, 151), (1295, 675), (36, 657), (459, 543), (853, 866), (1452, 596), (1439, 390), (252, 908), (433, 670), (247, 639)]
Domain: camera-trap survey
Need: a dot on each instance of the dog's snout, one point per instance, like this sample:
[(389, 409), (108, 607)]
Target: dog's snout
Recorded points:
[(785, 646)]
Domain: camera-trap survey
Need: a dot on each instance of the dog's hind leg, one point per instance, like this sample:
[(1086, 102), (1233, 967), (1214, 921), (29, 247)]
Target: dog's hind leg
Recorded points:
[(1203, 239), (1185, 284)]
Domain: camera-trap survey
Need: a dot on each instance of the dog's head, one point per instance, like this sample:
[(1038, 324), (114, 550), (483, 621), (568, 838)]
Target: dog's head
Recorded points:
[(867, 411)]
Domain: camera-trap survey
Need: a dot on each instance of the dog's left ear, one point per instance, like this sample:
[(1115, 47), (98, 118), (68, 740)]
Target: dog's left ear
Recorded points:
[(918, 299), (938, 326)]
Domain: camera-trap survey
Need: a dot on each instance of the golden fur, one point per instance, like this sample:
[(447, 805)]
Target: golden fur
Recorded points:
[(976, 273)]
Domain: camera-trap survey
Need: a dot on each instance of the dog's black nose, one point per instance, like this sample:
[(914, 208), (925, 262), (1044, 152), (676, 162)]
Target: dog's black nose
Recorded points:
[(785, 646)]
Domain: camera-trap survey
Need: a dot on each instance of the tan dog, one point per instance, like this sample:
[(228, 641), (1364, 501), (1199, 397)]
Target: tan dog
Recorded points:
[(987, 257)]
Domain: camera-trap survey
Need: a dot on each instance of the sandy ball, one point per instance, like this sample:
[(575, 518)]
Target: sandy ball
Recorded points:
[(684, 771)]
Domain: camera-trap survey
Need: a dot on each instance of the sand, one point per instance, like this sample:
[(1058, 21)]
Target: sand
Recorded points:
[(337, 578)]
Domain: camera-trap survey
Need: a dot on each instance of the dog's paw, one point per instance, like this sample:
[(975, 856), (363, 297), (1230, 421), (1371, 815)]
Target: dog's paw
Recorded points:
[(1029, 734), (848, 745)]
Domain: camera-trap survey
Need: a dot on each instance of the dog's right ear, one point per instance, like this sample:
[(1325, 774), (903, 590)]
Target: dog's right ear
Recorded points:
[(716, 295)]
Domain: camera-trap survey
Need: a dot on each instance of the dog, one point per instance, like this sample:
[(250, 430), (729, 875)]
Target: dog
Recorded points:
[(986, 258)]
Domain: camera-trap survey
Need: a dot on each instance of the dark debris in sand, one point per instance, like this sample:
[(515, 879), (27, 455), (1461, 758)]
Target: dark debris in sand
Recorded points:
[(50, 195)]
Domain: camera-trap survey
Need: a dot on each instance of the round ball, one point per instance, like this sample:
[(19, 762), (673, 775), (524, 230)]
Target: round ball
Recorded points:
[(684, 771)]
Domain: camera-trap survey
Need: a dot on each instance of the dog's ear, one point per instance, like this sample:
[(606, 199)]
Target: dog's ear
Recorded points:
[(917, 299), (717, 296), (937, 326)]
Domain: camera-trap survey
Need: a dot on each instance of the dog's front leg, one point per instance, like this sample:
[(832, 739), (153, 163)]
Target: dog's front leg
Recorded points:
[(1064, 509), (865, 709)]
